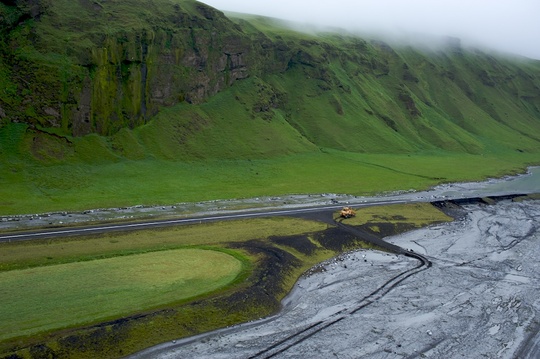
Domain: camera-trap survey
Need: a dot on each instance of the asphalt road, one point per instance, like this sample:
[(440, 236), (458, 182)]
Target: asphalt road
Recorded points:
[(96, 229)]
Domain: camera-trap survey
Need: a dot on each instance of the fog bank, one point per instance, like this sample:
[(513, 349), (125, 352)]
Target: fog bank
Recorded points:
[(502, 25)]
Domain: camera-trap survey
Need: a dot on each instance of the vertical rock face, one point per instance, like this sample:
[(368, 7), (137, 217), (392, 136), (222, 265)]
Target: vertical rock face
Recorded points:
[(130, 80), (81, 114), (112, 80)]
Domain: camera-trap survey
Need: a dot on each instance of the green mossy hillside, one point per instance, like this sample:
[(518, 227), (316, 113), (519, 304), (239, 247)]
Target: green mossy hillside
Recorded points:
[(94, 93), (98, 67)]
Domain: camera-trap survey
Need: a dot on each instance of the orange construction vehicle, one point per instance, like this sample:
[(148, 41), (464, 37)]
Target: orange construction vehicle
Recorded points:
[(347, 212)]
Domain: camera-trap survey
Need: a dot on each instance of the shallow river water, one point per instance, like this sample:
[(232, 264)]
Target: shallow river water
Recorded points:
[(479, 299)]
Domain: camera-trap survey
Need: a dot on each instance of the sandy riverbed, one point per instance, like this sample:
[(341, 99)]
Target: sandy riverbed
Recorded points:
[(480, 299)]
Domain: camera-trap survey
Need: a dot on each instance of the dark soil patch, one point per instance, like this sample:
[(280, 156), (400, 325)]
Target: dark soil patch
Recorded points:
[(276, 263), (386, 229), (300, 243), (451, 209), (336, 239)]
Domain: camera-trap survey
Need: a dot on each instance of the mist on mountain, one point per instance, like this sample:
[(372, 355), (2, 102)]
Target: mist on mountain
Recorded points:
[(511, 27)]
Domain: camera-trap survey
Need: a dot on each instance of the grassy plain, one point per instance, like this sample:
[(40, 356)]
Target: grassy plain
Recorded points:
[(415, 214), (48, 298), (32, 254), (79, 186), (54, 284), (390, 219)]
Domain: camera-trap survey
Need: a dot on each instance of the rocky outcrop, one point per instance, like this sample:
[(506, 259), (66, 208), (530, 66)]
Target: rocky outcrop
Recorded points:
[(122, 78)]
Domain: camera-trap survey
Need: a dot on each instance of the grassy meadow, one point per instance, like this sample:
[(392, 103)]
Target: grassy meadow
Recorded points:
[(48, 298), (414, 214), (106, 180), (80, 187), (56, 284), (24, 255)]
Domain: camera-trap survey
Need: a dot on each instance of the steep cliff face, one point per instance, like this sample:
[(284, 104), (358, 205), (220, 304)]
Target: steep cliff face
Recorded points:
[(89, 66)]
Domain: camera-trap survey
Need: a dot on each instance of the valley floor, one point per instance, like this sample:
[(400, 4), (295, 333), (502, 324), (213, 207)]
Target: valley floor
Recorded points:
[(524, 183), (479, 299)]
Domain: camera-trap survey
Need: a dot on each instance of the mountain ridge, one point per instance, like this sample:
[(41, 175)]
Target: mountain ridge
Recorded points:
[(122, 78)]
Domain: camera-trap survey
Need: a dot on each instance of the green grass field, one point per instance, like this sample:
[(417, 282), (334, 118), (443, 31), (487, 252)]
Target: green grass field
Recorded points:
[(54, 297), (78, 186), (50, 285), (415, 214), (24, 255)]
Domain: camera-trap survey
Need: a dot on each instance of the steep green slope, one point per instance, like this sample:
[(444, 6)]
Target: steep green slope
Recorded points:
[(90, 66), (108, 103)]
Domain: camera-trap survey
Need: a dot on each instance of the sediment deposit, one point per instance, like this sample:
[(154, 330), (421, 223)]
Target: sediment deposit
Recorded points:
[(479, 299)]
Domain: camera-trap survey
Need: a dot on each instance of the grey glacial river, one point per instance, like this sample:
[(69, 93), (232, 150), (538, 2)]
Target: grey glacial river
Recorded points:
[(479, 299), (529, 183)]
